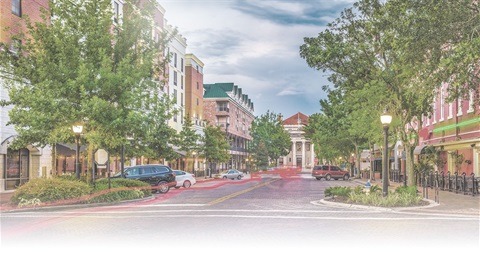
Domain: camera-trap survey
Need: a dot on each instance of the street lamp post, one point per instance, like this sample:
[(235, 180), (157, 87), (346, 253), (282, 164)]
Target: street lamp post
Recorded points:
[(386, 119), (77, 129)]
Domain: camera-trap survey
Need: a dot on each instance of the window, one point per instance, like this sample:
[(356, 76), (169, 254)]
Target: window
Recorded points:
[(471, 103), (181, 99), (450, 110), (174, 77), (181, 64), (459, 107), (198, 86), (197, 102), (17, 7), (442, 103), (222, 106), (116, 12), (175, 59), (181, 82)]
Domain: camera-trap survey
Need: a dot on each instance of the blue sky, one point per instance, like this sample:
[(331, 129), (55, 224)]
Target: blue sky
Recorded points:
[(255, 44)]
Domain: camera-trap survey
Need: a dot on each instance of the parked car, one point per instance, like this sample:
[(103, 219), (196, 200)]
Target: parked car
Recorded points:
[(160, 176), (232, 174), (329, 171), (184, 179)]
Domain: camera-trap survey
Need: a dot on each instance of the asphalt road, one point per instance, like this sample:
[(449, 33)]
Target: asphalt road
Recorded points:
[(266, 219)]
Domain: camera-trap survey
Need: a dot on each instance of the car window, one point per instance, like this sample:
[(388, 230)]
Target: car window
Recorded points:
[(324, 167), (317, 167), (133, 172), (177, 172), (334, 168), (147, 170), (162, 169)]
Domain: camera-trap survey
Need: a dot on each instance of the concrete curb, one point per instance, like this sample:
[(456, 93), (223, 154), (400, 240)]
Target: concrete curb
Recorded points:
[(367, 207)]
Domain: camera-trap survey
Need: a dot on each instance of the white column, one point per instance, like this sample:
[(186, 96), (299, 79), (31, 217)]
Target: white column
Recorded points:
[(312, 154), (476, 161), (285, 160), (303, 154), (294, 153)]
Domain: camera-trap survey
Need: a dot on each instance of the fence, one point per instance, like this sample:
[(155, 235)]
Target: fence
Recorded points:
[(462, 184)]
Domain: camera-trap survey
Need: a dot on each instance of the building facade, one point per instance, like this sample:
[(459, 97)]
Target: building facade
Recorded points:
[(302, 152), (454, 130), (17, 166), (194, 100), (176, 77), (225, 105)]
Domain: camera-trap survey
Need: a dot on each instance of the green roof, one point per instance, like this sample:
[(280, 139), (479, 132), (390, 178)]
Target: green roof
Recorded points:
[(220, 90)]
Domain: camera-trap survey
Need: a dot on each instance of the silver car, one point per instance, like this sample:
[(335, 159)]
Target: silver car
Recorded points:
[(232, 174)]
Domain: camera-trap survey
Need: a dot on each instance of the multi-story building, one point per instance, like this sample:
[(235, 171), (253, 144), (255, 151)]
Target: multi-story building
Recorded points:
[(194, 91), (225, 105), (16, 166), (302, 152), (194, 98), (176, 77), (454, 129)]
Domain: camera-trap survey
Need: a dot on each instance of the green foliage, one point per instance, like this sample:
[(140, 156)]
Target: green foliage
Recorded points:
[(50, 190), (269, 139), (407, 190), (79, 67), (392, 200), (215, 146), (338, 191)]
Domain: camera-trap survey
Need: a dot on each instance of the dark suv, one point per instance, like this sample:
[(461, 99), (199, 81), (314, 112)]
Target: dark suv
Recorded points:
[(329, 171), (158, 175)]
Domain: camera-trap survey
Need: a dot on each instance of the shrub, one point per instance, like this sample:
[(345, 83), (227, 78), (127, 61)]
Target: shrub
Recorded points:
[(412, 190), (392, 200), (121, 189), (50, 190), (338, 191)]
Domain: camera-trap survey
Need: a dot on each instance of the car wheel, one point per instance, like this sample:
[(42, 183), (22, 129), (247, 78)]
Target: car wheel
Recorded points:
[(318, 178), (163, 187), (239, 177), (328, 177), (224, 177), (346, 177), (187, 184)]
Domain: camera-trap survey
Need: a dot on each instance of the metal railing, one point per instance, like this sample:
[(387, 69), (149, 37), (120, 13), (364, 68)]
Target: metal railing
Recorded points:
[(462, 184)]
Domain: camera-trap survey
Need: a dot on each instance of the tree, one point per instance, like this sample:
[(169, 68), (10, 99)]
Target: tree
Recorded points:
[(215, 146), (189, 140), (396, 48), (81, 67), (269, 139)]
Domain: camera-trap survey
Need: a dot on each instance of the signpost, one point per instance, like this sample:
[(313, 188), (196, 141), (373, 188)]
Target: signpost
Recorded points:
[(102, 158)]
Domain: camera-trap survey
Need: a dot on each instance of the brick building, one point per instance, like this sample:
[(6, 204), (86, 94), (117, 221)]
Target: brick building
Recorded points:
[(225, 105), (16, 166)]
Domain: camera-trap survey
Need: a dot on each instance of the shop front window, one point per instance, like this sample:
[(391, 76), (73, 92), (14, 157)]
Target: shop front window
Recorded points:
[(17, 163)]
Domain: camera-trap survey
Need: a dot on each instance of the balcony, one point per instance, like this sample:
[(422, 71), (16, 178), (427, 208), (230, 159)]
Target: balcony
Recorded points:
[(222, 111)]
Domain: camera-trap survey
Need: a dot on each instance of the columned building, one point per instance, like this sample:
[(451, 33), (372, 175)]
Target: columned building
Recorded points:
[(302, 152), (225, 105)]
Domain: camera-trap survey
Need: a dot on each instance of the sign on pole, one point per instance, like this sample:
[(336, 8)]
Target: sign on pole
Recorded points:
[(101, 157)]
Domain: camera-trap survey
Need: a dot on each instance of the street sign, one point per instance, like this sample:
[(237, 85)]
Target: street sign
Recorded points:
[(101, 157)]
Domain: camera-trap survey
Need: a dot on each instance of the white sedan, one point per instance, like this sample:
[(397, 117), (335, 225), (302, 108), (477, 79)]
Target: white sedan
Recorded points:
[(184, 179), (232, 174)]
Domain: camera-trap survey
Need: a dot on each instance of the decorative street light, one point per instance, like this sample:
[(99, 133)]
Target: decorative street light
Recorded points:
[(386, 119), (77, 129)]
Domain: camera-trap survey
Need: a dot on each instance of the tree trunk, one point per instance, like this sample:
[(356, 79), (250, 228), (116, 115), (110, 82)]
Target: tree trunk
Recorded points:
[(54, 161), (90, 162), (409, 165)]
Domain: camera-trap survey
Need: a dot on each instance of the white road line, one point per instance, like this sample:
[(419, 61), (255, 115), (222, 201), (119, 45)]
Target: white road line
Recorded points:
[(257, 217)]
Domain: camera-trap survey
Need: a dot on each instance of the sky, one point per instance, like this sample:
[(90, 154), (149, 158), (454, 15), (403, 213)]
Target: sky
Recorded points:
[(256, 45)]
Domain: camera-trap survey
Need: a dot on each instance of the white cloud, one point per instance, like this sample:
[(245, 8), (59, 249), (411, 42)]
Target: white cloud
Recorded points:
[(255, 44)]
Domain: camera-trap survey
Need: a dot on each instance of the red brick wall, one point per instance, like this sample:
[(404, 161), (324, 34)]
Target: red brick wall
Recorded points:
[(192, 76), (16, 24)]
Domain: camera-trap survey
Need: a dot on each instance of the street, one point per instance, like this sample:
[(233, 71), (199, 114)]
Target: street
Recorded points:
[(257, 214)]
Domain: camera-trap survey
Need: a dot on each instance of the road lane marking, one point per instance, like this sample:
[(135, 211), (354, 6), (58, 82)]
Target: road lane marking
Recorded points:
[(230, 196)]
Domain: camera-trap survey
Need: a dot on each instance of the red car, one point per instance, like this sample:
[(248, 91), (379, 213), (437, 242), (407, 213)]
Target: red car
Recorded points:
[(329, 171)]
